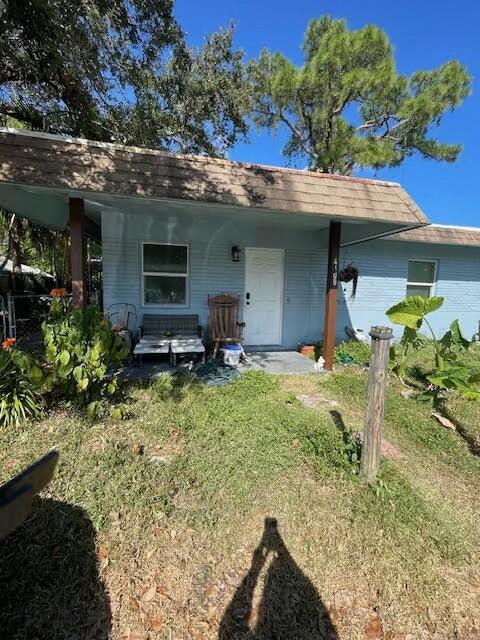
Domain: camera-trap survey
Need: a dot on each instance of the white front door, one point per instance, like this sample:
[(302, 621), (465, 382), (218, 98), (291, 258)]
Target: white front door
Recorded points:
[(263, 296)]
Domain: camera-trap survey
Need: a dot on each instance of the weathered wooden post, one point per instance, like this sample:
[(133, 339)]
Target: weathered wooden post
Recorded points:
[(377, 384)]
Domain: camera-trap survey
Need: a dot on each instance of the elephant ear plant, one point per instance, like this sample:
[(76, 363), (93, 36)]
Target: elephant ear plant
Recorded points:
[(449, 373)]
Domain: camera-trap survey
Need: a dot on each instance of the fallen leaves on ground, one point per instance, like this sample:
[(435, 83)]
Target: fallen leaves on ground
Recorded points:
[(374, 629)]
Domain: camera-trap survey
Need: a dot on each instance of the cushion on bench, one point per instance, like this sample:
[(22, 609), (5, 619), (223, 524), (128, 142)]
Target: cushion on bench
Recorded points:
[(151, 347), (187, 345)]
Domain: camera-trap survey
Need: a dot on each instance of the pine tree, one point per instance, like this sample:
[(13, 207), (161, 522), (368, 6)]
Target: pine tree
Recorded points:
[(347, 107)]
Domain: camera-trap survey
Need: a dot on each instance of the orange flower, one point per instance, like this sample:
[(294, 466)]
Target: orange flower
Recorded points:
[(58, 293), (9, 342), (117, 327)]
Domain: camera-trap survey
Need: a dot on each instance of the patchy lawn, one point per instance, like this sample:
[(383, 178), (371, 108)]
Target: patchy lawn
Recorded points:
[(235, 512)]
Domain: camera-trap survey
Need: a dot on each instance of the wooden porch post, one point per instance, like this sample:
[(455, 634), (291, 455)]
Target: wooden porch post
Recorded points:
[(78, 252), (329, 327)]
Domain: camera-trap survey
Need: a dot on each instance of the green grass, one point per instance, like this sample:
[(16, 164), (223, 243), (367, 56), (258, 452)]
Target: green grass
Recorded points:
[(409, 421), (235, 455), (237, 436)]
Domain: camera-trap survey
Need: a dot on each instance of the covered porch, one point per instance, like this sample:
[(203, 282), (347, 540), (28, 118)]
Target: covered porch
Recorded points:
[(225, 214)]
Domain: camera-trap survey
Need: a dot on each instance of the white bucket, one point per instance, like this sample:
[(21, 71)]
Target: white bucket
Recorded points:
[(231, 354)]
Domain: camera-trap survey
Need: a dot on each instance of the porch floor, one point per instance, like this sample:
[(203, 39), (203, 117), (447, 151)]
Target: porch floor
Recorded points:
[(275, 362)]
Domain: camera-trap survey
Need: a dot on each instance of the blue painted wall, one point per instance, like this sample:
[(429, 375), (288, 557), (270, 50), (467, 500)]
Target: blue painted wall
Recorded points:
[(383, 266), (210, 237)]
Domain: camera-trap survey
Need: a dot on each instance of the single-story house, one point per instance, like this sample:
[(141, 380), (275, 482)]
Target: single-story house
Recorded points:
[(176, 229)]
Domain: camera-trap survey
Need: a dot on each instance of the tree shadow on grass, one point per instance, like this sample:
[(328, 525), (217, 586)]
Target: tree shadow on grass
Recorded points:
[(49, 577), (290, 607)]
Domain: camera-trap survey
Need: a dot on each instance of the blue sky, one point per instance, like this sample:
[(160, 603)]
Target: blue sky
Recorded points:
[(425, 34)]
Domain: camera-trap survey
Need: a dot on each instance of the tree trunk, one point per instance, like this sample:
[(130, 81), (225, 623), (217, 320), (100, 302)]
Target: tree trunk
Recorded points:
[(6, 257), (16, 251), (66, 261), (54, 258)]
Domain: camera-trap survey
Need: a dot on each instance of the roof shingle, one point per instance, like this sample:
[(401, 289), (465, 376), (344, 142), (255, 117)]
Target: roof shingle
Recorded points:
[(438, 234), (88, 166)]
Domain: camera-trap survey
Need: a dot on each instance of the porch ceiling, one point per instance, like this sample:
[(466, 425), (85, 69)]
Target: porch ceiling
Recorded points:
[(39, 172)]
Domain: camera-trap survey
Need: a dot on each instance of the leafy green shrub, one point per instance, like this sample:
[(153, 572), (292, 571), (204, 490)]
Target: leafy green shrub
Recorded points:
[(20, 386), (81, 349), (348, 352), (450, 372), (352, 352)]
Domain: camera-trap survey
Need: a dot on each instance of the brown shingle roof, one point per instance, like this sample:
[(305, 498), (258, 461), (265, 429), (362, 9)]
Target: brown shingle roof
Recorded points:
[(87, 166), (438, 234)]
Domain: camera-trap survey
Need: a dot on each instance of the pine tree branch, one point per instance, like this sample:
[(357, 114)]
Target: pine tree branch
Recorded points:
[(400, 123), (342, 106), (376, 122), (298, 134), (308, 120)]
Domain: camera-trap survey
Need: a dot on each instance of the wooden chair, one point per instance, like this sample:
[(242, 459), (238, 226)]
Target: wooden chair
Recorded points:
[(223, 324)]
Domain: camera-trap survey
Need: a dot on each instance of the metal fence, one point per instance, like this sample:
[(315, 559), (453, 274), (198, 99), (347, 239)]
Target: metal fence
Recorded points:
[(3, 319), (24, 316)]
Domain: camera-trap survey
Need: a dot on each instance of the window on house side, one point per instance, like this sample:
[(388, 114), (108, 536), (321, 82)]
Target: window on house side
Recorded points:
[(165, 274), (421, 278)]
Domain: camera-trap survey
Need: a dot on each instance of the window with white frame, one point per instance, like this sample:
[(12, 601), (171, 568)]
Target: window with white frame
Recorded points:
[(421, 277), (165, 274)]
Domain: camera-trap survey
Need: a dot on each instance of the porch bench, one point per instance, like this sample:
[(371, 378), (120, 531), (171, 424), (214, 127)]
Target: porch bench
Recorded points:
[(157, 325), (185, 336)]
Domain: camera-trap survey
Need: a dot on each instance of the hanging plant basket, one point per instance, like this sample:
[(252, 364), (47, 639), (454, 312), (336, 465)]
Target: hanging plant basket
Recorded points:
[(349, 274)]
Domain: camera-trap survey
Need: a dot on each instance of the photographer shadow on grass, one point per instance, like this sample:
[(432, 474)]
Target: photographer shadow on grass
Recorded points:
[(290, 606), (49, 577)]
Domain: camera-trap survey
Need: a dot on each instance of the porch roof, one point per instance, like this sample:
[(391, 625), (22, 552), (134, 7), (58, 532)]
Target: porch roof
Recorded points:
[(38, 162), (442, 234)]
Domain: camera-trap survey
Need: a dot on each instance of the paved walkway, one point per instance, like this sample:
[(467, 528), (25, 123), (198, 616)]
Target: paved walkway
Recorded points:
[(279, 362), (287, 362)]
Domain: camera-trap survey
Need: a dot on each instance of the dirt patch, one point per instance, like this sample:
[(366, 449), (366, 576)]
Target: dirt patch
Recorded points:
[(391, 451), (316, 399)]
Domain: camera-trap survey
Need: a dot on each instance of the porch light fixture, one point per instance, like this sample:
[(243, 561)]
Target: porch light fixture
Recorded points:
[(236, 254)]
